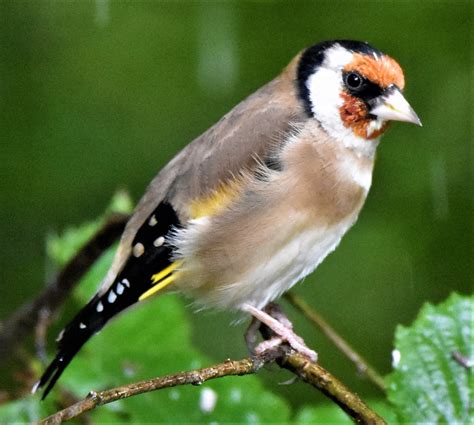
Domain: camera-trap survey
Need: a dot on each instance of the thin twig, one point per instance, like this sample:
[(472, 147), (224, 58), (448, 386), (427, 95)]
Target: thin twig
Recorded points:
[(296, 363), (361, 364), (23, 322)]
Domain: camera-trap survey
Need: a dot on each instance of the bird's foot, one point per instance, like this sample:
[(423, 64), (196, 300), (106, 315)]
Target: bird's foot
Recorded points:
[(274, 318)]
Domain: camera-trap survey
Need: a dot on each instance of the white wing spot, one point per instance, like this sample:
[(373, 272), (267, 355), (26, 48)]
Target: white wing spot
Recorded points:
[(82, 325), (159, 241), (126, 282), (99, 307), (111, 297), (119, 289), (138, 249), (152, 222)]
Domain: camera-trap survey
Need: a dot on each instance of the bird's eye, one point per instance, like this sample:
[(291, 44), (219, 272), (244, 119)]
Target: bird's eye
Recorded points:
[(354, 81)]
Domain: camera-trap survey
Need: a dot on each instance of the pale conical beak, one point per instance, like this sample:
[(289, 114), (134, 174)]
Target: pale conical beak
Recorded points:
[(393, 106)]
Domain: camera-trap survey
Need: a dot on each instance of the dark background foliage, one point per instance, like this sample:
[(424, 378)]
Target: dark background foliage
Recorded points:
[(99, 95)]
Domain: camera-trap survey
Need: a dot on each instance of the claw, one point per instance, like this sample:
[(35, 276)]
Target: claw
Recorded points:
[(274, 319)]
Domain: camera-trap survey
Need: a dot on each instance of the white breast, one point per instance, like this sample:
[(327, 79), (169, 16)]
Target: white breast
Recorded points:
[(290, 263)]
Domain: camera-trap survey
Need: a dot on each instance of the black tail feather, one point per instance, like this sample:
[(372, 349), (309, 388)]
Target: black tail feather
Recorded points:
[(54, 371), (72, 338)]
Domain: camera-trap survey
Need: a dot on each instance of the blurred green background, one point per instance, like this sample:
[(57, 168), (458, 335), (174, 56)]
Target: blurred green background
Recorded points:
[(99, 95)]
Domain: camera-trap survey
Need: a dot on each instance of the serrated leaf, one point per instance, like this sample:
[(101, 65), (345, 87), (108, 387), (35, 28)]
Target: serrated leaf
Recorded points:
[(428, 385)]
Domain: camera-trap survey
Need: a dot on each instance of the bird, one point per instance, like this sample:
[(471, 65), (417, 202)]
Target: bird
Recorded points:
[(257, 202)]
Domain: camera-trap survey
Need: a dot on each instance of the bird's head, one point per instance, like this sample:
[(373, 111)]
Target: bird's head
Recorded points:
[(352, 89)]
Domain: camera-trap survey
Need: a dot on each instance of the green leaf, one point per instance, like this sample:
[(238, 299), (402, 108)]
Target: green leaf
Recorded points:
[(428, 385)]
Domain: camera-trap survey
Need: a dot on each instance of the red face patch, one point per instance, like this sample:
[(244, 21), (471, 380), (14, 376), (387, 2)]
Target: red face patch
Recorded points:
[(354, 114)]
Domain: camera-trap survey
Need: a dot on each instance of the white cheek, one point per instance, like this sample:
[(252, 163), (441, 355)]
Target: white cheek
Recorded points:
[(324, 88)]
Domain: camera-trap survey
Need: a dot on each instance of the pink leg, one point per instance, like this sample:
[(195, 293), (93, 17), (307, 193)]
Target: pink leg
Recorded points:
[(283, 330)]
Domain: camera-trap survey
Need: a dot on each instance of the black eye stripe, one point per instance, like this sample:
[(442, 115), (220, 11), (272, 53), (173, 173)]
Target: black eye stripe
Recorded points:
[(366, 91)]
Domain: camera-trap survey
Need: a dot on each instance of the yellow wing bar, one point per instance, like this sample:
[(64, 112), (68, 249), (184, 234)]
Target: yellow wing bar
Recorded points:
[(161, 280), (217, 200)]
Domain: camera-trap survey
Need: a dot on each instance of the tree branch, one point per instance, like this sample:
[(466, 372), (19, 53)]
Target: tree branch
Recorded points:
[(296, 363), (361, 364), (23, 322)]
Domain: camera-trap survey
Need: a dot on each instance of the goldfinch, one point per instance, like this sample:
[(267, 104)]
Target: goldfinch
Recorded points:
[(258, 201)]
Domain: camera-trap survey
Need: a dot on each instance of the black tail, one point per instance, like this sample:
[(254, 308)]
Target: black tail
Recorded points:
[(90, 320), (87, 322)]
